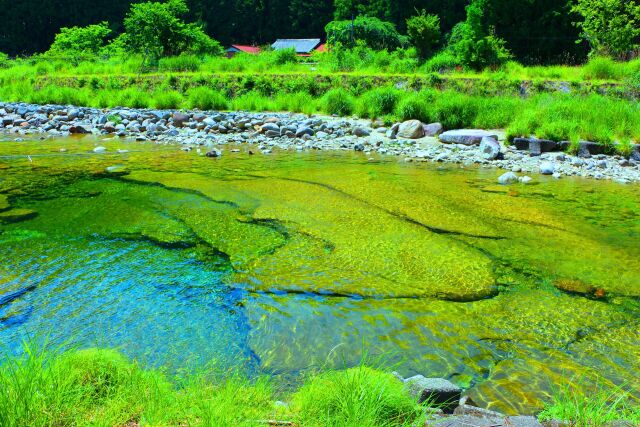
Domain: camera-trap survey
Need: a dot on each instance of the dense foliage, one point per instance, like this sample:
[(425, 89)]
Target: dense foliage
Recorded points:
[(372, 32), (535, 31), (611, 27), (155, 29), (424, 32), (474, 43), (89, 40)]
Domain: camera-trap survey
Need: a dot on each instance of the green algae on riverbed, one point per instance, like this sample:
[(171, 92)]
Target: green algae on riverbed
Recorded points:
[(507, 290)]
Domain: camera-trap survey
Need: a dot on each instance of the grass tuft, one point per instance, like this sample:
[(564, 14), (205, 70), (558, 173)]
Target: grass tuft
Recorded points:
[(358, 397), (602, 407)]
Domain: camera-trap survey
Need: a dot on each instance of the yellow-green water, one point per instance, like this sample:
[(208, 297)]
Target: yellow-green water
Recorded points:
[(293, 261)]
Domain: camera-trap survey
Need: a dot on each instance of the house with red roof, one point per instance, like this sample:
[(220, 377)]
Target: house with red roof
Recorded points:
[(237, 48)]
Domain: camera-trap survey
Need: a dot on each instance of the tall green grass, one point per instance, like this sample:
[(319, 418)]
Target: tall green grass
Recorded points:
[(357, 397), (101, 387), (604, 119), (600, 408)]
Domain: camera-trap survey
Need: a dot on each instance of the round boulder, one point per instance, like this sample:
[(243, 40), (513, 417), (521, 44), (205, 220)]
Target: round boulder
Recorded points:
[(489, 148), (411, 129)]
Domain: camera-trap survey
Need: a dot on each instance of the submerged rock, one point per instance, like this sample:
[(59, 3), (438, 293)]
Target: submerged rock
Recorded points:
[(17, 215), (508, 178)]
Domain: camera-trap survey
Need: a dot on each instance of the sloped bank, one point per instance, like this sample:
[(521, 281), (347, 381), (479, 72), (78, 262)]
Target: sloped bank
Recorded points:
[(210, 131)]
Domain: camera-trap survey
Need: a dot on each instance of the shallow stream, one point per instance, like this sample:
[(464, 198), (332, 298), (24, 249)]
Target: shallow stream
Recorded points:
[(293, 261)]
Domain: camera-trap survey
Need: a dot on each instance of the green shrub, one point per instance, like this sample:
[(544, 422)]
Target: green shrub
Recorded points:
[(474, 44), (338, 101), (284, 56), (4, 60), (133, 98), (424, 32), (359, 397), (206, 98)]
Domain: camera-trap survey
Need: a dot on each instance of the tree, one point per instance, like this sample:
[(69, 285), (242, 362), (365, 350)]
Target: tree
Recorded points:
[(424, 32), (371, 32), (474, 42), (156, 30), (611, 27), (87, 40)]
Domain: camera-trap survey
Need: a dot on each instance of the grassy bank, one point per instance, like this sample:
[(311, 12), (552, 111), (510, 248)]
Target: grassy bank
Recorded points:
[(596, 102), (101, 387)]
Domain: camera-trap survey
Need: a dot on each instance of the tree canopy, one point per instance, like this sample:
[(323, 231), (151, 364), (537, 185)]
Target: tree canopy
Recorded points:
[(534, 31)]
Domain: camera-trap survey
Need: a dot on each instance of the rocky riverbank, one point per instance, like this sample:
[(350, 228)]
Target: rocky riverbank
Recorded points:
[(209, 132)]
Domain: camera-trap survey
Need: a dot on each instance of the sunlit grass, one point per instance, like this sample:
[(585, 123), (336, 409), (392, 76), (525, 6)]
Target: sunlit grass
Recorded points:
[(600, 407), (101, 387)]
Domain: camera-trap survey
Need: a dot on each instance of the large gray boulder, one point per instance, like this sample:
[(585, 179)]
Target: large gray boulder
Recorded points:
[(433, 129), (489, 148), (588, 149), (465, 136), (361, 131), (411, 129), (179, 119), (437, 391)]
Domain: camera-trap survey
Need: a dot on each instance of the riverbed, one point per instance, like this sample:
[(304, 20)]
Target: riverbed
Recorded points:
[(292, 261)]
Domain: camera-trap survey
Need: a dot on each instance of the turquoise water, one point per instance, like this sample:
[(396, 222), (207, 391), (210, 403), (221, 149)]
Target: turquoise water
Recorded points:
[(278, 264)]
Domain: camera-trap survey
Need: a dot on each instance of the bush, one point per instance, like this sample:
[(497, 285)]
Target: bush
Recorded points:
[(356, 397), (424, 32), (4, 60), (284, 56), (441, 62), (475, 45), (338, 101), (206, 98), (87, 40), (372, 32)]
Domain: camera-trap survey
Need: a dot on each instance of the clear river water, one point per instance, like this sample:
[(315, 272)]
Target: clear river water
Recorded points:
[(287, 262)]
